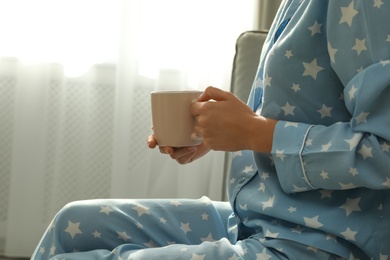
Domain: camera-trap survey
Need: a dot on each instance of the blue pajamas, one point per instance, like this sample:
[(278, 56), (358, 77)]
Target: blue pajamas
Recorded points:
[(153, 229), (324, 190)]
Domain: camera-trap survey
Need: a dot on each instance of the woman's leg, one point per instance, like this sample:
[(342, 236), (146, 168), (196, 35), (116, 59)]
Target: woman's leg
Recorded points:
[(156, 230), (106, 228)]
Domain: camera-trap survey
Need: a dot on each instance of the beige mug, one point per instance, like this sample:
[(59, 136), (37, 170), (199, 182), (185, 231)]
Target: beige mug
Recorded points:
[(173, 123)]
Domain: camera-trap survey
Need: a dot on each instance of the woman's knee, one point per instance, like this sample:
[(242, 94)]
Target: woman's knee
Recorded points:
[(74, 212)]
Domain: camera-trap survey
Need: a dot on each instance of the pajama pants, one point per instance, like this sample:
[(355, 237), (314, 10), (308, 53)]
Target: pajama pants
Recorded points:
[(156, 229)]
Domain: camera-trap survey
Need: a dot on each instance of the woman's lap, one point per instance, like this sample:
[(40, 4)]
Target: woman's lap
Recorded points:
[(151, 229)]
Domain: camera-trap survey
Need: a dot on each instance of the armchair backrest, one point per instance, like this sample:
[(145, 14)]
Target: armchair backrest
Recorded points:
[(245, 63)]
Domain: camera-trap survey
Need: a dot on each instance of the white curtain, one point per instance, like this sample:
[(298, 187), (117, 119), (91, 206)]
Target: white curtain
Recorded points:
[(75, 79)]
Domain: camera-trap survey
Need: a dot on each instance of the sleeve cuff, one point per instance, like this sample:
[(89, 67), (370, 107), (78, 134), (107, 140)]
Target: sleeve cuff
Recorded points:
[(288, 143)]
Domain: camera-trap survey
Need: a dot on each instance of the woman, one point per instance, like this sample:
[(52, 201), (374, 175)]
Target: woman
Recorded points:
[(310, 175)]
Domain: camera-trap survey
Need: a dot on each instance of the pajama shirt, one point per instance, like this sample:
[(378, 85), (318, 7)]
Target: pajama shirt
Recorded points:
[(324, 190)]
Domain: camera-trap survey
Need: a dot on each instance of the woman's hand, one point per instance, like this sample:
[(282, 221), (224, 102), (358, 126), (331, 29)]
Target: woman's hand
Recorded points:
[(228, 124), (182, 155)]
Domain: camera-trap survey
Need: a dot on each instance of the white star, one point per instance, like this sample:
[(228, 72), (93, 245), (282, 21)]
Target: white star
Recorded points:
[(185, 227), (269, 203), (365, 151), (208, 238), (163, 220), (348, 13), (261, 187), (351, 205), (296, 87), (354, 141), (123, 235), (42, 250), (324, 175), (384, 62), (288, 109), (362, 117), (288, 54), (292, 209), (280, 154), (265, 175), (313, 222), (388, 38), (349, 234), (141, 210), (97, 234), (352, 92), (385, 147), (353, 171), (360, 45), (387, 182), (267, 81), (248, 169), (383, 257), (73, 229), (326, 147), (52, 250), (309, 142), (244, 207), (315, 28), (235, 154), (176, 203), (106, 210), (293, 124), (325, 111), (205, 216), (263, 255), (232, 180), (270, 234), (378, 3), (332, 52), (311, 69)]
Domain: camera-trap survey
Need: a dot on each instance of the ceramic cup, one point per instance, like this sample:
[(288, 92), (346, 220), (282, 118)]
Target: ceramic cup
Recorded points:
[(173, 123)]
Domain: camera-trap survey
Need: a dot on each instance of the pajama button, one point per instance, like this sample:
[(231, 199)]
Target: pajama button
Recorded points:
[(241, 180)]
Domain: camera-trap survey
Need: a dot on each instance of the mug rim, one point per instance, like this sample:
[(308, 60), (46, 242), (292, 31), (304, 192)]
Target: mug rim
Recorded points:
[(176, 91)]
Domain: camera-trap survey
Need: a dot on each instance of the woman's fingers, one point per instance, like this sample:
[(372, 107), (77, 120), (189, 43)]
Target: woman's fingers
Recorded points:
[(167, 150), (184, 155), (151, 141), (183, 152), (212, 93)]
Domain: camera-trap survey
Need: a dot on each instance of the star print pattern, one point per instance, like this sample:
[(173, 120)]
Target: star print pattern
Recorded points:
[(326, 78), (337, 154)]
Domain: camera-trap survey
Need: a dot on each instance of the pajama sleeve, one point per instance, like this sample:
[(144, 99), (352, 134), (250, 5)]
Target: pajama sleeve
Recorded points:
[(349, 154)]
